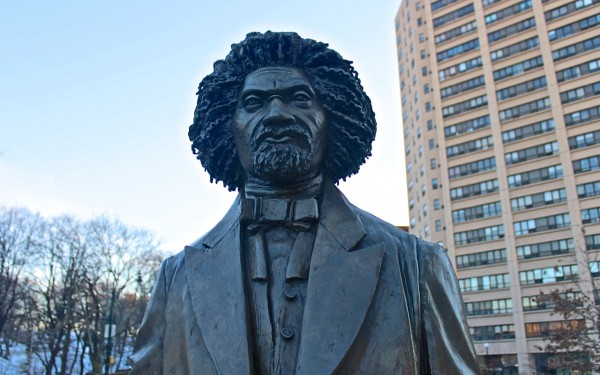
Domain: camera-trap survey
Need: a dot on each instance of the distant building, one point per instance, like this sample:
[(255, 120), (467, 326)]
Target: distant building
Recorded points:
[(501, 116)]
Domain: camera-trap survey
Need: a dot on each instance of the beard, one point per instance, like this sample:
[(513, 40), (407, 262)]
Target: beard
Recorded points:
[(281, 162)]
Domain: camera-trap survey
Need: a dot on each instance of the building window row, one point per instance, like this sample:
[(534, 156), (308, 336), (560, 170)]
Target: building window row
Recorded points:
[(536, 175), (449, 17), (589, 189), (541, 224), (580, 93), (584, 140), (524, 109), (450, 53), (582, 116), (441, 3), (526, 131), (573, 28), (511, 30), (567, 9), (471, 146), (473, 167), (545, 329), (586, 164), (521, 88), (549, 275), (492, 333), (484, 258), (546, 249), (467, 126), (491, 233), (465, 106), (543, 302), (480, 188), (490, 307), (592, 242), (514, 49), (576, 49), (507, 12), (519, 68), (477, 212), (489, 2), (466, 66), (590, 215), (462, 87), (538, 199), (578, 70), (530, 153), (473, 284), (457, 31)]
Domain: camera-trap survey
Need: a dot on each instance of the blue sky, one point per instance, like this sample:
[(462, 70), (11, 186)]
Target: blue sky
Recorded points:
[(96, 98)]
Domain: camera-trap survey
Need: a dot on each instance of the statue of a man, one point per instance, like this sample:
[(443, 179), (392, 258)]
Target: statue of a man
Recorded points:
[(295, 279)]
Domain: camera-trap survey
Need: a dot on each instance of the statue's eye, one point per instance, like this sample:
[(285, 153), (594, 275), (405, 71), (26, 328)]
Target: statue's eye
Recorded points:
[(252, 102), (301, 96)]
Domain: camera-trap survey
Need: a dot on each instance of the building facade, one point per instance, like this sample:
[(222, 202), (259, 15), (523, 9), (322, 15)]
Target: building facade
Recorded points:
[(501, 117)]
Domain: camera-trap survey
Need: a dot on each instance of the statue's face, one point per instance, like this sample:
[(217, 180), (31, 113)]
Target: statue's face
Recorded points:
[(279, 127)]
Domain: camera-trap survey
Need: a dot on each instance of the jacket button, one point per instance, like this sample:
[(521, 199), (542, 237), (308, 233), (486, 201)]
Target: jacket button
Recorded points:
[(290, 294), (287, 333)]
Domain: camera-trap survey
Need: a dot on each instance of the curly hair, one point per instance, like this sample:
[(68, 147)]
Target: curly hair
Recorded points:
[(350, 117)]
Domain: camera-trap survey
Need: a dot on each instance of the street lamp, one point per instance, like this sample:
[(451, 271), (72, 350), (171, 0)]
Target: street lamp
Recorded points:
[(487, 353)]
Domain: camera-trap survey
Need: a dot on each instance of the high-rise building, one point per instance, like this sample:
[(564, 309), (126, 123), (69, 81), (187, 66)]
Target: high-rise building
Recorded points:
[(501, 116)]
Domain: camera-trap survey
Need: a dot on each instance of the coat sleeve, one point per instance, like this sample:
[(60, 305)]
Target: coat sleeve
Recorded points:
[(447, 340), (147, 351)]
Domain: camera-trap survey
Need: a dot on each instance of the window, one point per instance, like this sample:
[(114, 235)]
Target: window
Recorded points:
[(546, 329), (421, 37), (419, 132), (578, 70), (473, 284), (537, 175), (432, 163), (426, 89), (465, 106), (492, 233), (582, 116), (484, 258), (457, 31), (576, 49), (436, 204), (491, 307), (491, 333), (434, 183), (587, 164), (511, 30), (524, 109), (467, 126), (546, 249), (426, 230), (528, 131), (424, 71), (567, 9), (427, 106), (431, 144), (518, 68), (592, 242), (422, 170), (477, 212), (538, 199), (419, 21), (463, 67), (461, 87), (531, 153), (440, 4), (449, 17), (438, 225), (465, 47), (507, 12), (473, 167), (471, 146), (429, 124), (590, 189), (521, 88), (574, 28), (590, 215), (580, 93), (584, 140), (420, 151), (423, 190), (541, 224), (549, 275), (480, 188), (514, 49), (535, 303), (425, 210)]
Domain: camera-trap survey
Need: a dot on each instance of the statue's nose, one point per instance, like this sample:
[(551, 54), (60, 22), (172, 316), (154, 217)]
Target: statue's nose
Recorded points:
[(277, 113)]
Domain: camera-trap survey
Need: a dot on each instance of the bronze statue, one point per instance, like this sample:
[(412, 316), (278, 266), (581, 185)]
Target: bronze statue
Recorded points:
[(295, 279)]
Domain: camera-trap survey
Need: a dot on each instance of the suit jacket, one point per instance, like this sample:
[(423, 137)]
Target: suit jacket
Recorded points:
[(379, 301)]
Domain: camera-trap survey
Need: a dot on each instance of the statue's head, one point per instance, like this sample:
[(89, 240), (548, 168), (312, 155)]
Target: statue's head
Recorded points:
[(280, 107)]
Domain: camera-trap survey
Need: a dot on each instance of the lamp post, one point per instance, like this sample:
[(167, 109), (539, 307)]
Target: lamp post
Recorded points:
[(109, 333), (487, 353)]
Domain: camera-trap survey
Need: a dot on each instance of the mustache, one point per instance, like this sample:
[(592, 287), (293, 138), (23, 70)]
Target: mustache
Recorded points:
[(294, 131)]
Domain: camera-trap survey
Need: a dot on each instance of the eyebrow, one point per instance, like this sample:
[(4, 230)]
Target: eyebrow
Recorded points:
[(292, 88)]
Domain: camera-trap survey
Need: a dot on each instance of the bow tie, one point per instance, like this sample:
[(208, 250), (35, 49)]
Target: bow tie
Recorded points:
[(294, 214)]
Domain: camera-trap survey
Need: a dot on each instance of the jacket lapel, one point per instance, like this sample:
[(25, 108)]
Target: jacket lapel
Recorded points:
[(215, 277), (341, 285)]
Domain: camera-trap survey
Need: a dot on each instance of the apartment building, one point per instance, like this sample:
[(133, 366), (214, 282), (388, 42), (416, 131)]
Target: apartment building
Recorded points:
[(501, 117)]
